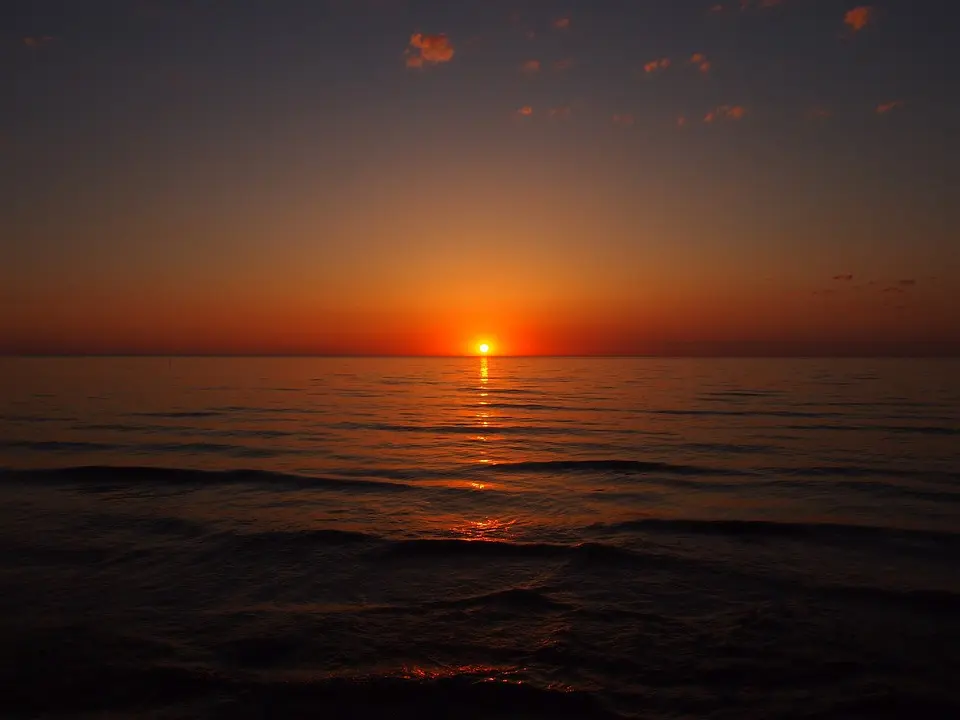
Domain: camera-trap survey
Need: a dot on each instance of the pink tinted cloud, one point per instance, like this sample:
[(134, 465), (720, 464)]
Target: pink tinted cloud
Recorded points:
[(725, 112), (623, 119), (562, 23), (428, 49), (525, 111), (889, 107), (531, 67), (564, 64), (561, 112), (860, 17), (655, 65), (701, 62)]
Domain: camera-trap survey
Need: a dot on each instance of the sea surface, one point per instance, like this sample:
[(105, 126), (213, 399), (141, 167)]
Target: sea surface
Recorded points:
[(479, 538)]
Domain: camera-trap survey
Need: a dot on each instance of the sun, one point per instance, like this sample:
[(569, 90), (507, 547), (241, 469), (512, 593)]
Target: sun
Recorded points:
[(484, 348)]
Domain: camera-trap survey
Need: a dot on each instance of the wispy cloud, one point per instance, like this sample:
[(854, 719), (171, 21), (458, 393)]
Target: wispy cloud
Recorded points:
[(725, 112), (562, 23), (745, 5), (655, 65), (37, 40), (860, 17), (682, 121), (564, 64), (623, 119), (428, 49), (908, 283), (843, 278), (819, 113), (525, 111), (531, 67), (561, 112), (888, 107)]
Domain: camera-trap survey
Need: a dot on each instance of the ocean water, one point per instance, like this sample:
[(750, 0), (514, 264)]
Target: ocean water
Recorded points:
[(479, 538)]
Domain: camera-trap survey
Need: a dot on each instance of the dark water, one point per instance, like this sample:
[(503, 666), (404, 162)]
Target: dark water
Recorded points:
[(479, 539)]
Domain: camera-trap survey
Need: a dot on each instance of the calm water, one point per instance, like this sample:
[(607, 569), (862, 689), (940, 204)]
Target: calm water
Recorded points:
[(479, 538)]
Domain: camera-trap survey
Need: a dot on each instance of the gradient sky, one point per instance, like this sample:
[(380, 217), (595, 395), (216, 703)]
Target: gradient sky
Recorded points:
[(579, 177)]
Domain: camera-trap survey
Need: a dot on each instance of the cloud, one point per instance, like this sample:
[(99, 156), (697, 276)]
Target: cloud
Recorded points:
[(700, 60), (888, 107), (531, 67), (428, 49), (654, 65), (34, 41), (564, 64), (892, 290), (562, 23), (726, 112), (623, 119), (682, 121), (746, 5), (843, 278), (525, 111), (908, 283), (563, 111), (860, 17), (819, 113)]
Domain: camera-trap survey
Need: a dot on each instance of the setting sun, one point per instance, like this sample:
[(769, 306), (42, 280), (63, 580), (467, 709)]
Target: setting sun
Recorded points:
[(484, 348)]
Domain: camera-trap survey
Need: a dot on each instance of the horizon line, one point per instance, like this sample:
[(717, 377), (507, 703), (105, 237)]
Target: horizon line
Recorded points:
[(677, 356)]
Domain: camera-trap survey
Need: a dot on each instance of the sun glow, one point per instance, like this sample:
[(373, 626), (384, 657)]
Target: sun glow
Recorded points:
[(484, 348)]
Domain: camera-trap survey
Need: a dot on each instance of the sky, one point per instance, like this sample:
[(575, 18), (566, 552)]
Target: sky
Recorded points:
[(415, 177)]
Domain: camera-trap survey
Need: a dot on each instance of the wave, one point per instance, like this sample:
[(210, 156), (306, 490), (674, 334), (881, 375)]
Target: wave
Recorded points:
[(186, 430), (424, 692), (278, 539), (58, 446), (743, 413), (498, 548), (610, 465), (120, 476), (84, 446), (459, 429), (895, 429), (179, 414), (512, 598), (14, 418), (766, 528)]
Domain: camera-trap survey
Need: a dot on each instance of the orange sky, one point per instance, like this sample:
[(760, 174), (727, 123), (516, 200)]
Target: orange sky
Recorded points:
[(397, 181)]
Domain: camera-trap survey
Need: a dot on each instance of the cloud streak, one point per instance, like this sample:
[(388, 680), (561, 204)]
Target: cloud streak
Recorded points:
[(888, 107), (725, 112), (530, 67), (655, 65), (35, 41)]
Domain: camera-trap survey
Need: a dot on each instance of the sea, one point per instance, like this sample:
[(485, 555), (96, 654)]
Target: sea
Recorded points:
[(479, 538)]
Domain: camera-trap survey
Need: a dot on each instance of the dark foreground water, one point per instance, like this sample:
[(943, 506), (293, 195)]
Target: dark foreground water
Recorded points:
[(312, 538)]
